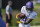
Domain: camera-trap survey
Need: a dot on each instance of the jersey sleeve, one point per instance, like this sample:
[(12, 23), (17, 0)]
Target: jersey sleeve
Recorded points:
[(32, 16), (22, 9), (7, 8)]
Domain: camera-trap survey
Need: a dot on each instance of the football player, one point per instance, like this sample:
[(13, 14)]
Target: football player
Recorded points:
[(30, 15)]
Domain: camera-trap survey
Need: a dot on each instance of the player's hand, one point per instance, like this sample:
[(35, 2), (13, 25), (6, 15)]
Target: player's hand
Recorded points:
[(25, 23)]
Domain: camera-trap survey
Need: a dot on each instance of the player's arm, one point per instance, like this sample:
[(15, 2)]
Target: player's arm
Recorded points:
[(30, 18), (18, 18), (28, 21), (8, 15)]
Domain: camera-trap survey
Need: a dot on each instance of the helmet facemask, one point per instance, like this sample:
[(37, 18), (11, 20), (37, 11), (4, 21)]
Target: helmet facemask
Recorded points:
[(29, 9)]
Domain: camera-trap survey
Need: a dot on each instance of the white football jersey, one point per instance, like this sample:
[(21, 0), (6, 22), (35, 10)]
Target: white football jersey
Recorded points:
[(30, 15)]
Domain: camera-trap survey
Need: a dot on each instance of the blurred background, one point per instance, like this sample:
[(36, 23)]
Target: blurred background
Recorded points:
[(17, 4)]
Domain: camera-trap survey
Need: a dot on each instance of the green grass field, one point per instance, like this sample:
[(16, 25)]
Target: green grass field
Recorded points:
[(36, 20)]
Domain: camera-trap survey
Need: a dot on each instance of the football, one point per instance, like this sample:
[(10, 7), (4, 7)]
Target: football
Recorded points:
[(21, 15)]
